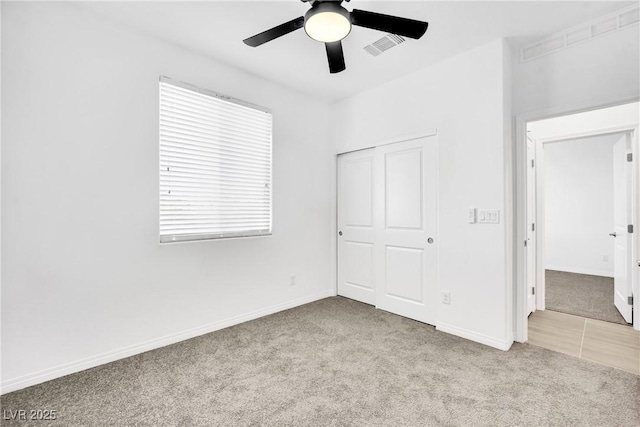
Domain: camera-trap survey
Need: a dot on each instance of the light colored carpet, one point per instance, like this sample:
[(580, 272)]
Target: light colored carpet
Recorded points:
[(338, 362), (581, 295)]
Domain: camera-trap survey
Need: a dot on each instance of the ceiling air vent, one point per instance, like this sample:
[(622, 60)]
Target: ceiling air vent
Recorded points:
[(384, 44)]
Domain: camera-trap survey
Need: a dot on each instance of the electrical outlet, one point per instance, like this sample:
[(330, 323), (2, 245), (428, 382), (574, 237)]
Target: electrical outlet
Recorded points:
[(292, 280), (605, 258), (446, 297)]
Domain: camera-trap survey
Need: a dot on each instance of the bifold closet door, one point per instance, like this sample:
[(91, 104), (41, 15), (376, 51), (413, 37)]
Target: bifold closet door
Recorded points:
[(387, 221), (355, 225)]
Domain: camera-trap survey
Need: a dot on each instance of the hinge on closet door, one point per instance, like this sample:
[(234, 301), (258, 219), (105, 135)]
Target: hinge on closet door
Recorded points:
[(630, 228), (630, 300), (629, 157), (533, 291)]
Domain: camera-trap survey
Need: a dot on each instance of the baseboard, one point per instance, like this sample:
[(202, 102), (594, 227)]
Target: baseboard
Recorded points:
[(474, 336), (111, 356), (580, 271)]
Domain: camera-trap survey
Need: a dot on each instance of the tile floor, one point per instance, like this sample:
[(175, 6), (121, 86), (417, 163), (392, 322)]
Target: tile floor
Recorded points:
[(603, 342)]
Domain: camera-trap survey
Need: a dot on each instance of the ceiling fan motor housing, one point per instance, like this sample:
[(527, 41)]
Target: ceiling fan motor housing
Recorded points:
[(327, 21)]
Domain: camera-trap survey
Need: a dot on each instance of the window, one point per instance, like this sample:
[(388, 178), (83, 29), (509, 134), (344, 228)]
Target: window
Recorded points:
[(215, 165)]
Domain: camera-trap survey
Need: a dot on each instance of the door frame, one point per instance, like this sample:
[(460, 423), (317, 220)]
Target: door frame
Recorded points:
[(521, 322), (532, 192)]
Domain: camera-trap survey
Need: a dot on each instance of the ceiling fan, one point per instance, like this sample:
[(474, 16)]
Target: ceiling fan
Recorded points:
[(328, 22)]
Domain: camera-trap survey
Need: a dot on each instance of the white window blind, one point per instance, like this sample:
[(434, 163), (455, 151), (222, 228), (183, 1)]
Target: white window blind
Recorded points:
[(215, 165)]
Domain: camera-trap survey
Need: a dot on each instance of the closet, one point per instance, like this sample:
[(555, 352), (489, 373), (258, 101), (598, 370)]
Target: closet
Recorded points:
[(387, 216)]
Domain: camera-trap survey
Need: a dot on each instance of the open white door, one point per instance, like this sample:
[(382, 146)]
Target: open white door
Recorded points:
[(622, 219), (406, 229), (531, 224), (355, 226)]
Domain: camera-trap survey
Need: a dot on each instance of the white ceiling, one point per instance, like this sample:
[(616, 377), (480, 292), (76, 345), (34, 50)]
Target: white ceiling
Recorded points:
[(216, 29)]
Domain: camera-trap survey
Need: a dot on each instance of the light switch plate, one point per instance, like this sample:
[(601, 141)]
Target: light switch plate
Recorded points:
[(489, 216), (472, 215)]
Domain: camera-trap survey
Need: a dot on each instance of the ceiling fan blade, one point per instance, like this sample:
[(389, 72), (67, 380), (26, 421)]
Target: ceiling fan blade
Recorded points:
[(335, 56), (391, 24), (275, 32)]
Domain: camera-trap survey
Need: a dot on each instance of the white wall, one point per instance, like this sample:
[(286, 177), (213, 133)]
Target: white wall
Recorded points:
[(578, 179), (594, 73), (465, 98), (84, 279)]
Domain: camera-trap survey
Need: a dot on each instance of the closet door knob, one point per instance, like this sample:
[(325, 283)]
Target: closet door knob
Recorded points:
[(613, 234), (339, 233)]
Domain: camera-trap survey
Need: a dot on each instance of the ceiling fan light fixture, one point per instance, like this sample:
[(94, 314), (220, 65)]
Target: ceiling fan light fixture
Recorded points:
[(327, 22)]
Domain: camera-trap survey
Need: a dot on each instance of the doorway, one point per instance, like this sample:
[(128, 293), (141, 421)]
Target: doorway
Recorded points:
[(578, 214), (585, 201), (580, 206)]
